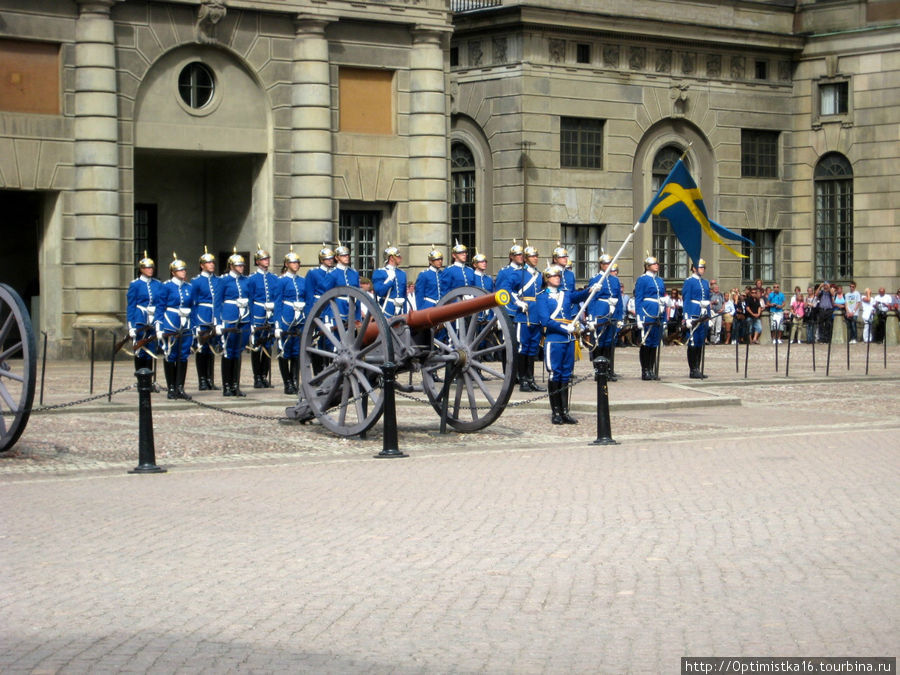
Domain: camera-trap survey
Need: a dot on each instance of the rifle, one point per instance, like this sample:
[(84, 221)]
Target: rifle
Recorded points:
[(695, 324), (140, 344)]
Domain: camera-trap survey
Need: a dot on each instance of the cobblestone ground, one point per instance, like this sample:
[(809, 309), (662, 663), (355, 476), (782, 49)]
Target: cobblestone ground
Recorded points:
[(735, 517)]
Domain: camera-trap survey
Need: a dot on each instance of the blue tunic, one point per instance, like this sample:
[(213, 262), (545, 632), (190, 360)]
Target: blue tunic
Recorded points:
[(175, 322), (554, 309), (233, 311), (509, 279), (456, 276), (429, 287), (695, 291), (205, 288), (264, 295), (485, 283), (600, 310), (648, 291), (528, 326), (144, 307), (388, 290), (317, 282), (344, 276), (291, 312)]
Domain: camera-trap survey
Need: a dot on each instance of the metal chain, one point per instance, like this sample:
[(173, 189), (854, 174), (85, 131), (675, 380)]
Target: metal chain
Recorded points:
[(57, 406), (238, 414)]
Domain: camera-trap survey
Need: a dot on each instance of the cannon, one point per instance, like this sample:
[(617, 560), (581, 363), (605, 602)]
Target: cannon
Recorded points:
[(17, 366), (462, 350)]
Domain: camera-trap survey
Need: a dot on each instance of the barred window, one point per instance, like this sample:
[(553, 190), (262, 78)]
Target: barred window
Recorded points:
[(673, 261), (759, 153), (462, 196), (196, 84), (583, 244), (834, 218), (581, 143), (760, 260), (358, 230)]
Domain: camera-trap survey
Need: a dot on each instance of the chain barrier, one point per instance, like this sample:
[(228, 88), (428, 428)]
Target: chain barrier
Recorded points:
[(277, 418), (58, 406)]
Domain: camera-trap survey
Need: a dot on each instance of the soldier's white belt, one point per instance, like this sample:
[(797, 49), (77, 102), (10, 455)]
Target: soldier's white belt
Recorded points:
[(240, 302), (297, 306), (150, 311), (205, 304), (431, 300), (267, 305), (184, 311)]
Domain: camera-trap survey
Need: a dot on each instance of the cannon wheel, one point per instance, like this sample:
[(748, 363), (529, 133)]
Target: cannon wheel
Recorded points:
[(477, 358), (341, 378), (17, 366)]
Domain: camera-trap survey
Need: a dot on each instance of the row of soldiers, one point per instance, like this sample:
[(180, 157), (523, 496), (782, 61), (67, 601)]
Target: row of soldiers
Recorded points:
[(266, 312)]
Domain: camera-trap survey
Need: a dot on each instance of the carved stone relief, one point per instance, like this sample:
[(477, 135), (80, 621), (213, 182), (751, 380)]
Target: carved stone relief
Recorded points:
[(209, 13), (663, 60), (499, 45), (784, 71), (688, 62), (475, 53), (611, 56), (738, 67), (713, 65), (557, 50), (637, 57)]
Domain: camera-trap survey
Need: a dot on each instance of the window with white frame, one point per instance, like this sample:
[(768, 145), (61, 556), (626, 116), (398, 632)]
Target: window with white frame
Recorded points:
[(583, 245), (834, 218), (760, 260), (358, 230)]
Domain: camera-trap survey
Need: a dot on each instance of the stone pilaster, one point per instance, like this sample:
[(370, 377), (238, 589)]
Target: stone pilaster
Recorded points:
[(428, 133), (95, 200), (311, 142)]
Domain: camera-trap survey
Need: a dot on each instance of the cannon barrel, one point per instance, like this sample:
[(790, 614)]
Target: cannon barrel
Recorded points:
[(433, 316)]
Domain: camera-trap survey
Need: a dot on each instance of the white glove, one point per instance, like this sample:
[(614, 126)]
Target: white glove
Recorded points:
[(468, 297), (570, 327), (391, 275), (596, 287), (252, 338), (219, 328), (704, 303), (132, 333), (398, 302), (242, 302), (160, 335), (298, 306), (184, 311), (592, 325), (269, 305), (613, 302), (688, 323), (621, 324), (521, 304), (277, 332), (640, 322)]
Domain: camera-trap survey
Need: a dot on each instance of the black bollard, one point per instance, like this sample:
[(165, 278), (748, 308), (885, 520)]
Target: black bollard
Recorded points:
[(92, 361), (112, 368), (389, 448), (746, 357), (787, 359), (43, 367), (604, 429), (737, 355), (146, 448), (828, 359)]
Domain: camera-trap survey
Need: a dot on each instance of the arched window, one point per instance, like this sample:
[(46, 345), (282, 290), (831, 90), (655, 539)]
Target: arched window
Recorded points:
[(834, 218), (673, 261), (463, 205)]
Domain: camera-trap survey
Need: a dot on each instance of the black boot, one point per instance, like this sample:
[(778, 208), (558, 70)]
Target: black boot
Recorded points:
[(210, 371), (200, 361), (565, 396), (236, 378), (613, 375), (522, 373), (295, 373), (180, 376), (284, 365), (643, 355), (169, 371), (555, 404), (531, 383), (227, 373), (693, 356), (256, 364), (654, 361)]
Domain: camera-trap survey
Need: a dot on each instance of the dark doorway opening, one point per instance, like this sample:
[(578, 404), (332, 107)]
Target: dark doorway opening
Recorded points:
[(21, 227)]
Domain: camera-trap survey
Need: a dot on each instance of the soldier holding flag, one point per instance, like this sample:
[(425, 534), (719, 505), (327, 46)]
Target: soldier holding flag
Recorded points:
[(649, 299), (696, 294)]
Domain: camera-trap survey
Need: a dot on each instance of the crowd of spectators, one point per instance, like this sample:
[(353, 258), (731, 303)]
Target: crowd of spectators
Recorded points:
[(737, 314)]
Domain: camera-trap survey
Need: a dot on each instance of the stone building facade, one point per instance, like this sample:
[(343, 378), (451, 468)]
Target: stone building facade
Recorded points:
[(169, 126)]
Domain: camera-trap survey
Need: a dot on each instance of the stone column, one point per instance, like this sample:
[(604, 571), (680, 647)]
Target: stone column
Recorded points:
[(95, 252), (838, 327), (892, 329), (311, 142), (428, 133)]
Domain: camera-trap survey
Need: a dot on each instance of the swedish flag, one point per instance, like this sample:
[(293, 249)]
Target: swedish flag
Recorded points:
[(680, 201)]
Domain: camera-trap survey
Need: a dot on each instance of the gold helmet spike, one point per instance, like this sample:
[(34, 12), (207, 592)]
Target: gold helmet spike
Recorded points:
[(391, 251), (530, 250), (560, 251), (434, 254), (176, 264), (207, 256), (458, 248), (516, 249), (325, 253), (341, 249), (235, 258), (552, 270), (146, 261)]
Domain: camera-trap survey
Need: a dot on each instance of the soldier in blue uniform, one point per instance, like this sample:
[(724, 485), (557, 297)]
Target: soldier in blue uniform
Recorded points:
[(599, 312), (555, 309), (560, 257), (143, 305), (233, 322), (618, 320), (649, 302), (695, 294), (344, 275), (389, 283), (430, 281), (459, 273), (205, 288), (318, 279), (290, 316), (528, 327), (510, 279), (264, 288), (174, 327), (482, 280)]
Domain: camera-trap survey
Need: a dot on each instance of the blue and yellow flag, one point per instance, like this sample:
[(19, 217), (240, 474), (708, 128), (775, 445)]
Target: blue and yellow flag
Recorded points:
[(680, 201)]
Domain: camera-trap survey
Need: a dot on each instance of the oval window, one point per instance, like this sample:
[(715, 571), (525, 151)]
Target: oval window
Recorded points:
[(196, 84)]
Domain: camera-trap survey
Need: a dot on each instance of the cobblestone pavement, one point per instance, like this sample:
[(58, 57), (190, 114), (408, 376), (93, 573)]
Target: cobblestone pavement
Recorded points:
[(736, 517)]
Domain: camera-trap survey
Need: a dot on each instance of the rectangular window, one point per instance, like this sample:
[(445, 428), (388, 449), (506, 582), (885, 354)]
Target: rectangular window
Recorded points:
[(358, 230), (462, 208), (366, 100), (761, 70), (583, 53), (580, 143), (834, 229), (583, 244), (760, 263), (29, 77), (673, 261), (454, 57), (759, 153), (833, 98), (145, 232)]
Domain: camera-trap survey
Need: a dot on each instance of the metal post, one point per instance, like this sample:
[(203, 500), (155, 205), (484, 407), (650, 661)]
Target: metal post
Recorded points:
[(776, 353), (389, 448), (92, 360), (112, 365), (43, 367), (601, 374), (737, 353), (828, 358), (146, 448), (746, 357), (787, 359), (868, 345), (813, 343), (848, 352)]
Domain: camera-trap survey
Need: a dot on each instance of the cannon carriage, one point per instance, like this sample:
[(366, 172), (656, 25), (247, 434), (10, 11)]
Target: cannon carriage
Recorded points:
[(17, 366), (461, 349)]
